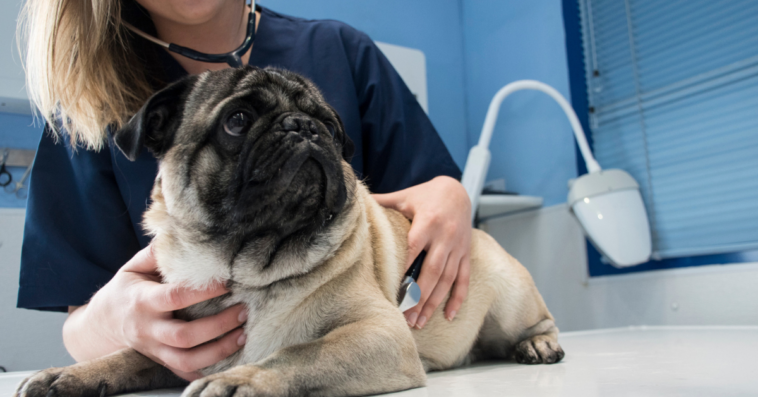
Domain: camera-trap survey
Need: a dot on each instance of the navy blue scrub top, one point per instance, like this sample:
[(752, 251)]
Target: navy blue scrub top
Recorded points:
[(84, 208)]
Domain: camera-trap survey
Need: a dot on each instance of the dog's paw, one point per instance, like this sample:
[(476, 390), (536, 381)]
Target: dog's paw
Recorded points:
[(539, 349), (243, 381), (54, 382)]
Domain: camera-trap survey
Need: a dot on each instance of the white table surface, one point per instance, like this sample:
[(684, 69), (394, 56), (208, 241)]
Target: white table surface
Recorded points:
[(638, 361)]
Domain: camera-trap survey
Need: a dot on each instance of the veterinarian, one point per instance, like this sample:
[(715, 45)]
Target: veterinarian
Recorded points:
[(87, 74)]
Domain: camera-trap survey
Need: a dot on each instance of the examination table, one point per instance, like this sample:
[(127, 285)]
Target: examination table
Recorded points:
[(636, 361)]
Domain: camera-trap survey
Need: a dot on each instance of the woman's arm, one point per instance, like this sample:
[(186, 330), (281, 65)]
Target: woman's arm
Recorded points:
[(135, 310), (441, 213)]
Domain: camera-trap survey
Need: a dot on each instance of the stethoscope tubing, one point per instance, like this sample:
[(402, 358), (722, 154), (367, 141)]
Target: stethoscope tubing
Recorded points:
[(232, 58)]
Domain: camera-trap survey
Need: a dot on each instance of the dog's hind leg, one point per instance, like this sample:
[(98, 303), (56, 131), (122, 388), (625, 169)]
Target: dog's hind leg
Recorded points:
[(537, 344), (365, 357), (518, 324), (123, 371), (542, 348)]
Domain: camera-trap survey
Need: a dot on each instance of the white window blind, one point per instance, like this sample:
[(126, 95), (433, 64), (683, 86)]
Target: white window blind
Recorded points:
[(673, 96)]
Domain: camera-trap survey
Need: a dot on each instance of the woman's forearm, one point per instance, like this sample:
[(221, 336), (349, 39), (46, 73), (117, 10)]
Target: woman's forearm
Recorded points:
[(82, 338)]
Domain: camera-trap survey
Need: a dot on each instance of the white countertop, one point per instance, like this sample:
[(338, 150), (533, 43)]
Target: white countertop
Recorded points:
[(638, 361), (491, 205)]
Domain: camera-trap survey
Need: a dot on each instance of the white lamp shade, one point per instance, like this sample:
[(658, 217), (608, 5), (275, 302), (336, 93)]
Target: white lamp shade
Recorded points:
[(607, 203), (614, 219)]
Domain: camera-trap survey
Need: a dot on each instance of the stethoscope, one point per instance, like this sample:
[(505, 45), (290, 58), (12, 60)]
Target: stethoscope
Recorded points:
[(18, 188), (5, 175), (233, 58)]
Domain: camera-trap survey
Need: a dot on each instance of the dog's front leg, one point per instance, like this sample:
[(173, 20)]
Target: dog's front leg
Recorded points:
[(123, 371), (359, 358)]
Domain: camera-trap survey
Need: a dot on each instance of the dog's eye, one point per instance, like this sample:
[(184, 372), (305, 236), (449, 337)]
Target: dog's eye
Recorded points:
[(332, 129), (238, 123)]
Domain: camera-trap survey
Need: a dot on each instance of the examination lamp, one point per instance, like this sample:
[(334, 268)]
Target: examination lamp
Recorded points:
[(607, 203)]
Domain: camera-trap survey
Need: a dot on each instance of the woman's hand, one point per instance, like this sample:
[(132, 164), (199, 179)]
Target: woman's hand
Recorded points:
[(441, 213), (135, 310)]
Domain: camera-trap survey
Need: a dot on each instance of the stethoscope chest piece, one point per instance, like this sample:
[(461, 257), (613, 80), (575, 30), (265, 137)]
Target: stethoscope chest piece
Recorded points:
[(410, 293)]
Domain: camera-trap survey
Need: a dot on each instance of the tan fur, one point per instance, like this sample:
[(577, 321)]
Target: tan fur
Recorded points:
[(358, 286), (103, 376), (323, 310), (500, 287), (350, 294)]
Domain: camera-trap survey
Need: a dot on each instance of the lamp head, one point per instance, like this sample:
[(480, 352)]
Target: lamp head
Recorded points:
[(609, 207)]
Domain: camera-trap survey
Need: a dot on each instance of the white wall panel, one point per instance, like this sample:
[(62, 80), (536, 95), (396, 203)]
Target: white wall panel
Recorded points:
[(29, 339), (551, 245), (410, 64), (13, 98)]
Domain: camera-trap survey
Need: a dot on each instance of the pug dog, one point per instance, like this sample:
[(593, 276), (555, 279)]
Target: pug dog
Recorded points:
[(254, 189)]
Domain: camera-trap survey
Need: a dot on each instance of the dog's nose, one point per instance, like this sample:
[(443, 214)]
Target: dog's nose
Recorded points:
[(302, 125)]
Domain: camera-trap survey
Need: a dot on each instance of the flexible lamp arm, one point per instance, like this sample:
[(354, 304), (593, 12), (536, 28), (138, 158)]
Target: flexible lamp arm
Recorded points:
[(479, 157), (497, 100)]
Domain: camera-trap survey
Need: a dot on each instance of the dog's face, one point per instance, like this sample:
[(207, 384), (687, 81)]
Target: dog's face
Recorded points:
[(246, 155)]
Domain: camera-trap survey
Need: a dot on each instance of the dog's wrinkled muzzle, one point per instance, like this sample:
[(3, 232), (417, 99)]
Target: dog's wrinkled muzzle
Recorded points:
[(269, 172)]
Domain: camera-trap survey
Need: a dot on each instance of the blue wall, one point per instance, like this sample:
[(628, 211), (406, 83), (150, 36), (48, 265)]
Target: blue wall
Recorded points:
[(532, 145), (472, 48)]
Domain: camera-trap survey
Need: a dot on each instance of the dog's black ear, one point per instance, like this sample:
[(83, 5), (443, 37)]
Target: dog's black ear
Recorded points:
[(344, 143), (154, 123)]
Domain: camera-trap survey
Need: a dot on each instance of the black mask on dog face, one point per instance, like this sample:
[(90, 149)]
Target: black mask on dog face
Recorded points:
[(259, 150)]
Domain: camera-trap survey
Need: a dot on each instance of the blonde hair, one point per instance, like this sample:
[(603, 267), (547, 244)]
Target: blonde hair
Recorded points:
[(80, 70)]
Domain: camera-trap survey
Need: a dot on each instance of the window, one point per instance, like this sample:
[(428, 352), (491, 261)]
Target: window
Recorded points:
[(672, 98)]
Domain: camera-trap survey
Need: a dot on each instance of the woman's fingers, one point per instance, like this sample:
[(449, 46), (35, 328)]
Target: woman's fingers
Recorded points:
[(441, 290), (165, 297), (448, 242), (460, 289), (396, 200), (168, 297), (418, 240), (431, 270), (187, 334), (191, 360)]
